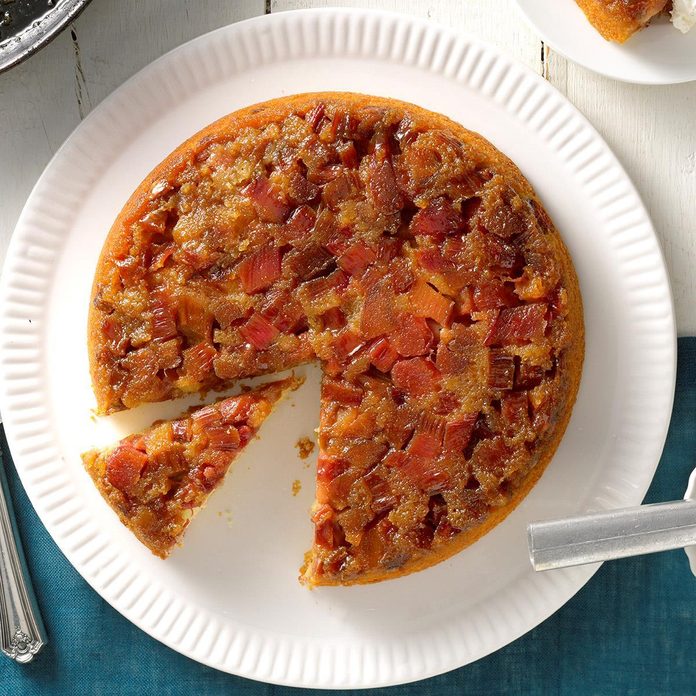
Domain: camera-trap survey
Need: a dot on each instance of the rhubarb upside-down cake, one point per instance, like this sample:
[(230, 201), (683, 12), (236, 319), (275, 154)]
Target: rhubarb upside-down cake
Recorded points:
[(404, 254)]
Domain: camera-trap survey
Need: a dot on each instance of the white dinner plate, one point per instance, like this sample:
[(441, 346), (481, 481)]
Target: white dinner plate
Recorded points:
[(230, 597), (657, 55)]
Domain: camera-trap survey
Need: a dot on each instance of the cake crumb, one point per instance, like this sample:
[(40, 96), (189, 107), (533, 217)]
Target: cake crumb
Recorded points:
[(227, 514), (305, 447), (296, 486)]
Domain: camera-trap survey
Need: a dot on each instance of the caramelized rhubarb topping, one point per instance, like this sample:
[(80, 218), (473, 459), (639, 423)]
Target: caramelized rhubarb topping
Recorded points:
[(401, 252)]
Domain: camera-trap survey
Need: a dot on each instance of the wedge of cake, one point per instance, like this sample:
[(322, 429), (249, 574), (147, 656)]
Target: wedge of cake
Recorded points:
[(157, 480), (402, 252), (618, 20)]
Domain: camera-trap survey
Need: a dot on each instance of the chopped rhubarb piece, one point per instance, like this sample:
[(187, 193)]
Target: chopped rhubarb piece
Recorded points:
[(465, 303), (425, 445), (346, 343), (378, 315), (259, 332), (419, 463), (160, 257), (341, 391), (493, 295), (529, 376), (213, 466), (382, 183), (338, 244), (348, 155), (425, 301), (432, 424), (328, 470), (193, 316), (313, 291), (300, 224), (382, 355), (333, 319), (503, 255), (395, 459), (298, 189), (518, 325), (344, 187), (389, 249), (224, 438), (458, 432), (402, 276), (197, 257), (438, 219), (245, 434), (515, 408), (480, 432), (356, 258), (198, 361), (181, 430), (283, 311), (154, 222), (431, 259), (236, 408), (416, 376), (470, 209), (124, 466), (206, 417), (315, 115), (383, 498), (322, 175), (325, 534), (163, 324), (117, 341), (267, 200), (308, 262), (447, 402), (137, 441), (260, 270), (501, 369), (412, 337)]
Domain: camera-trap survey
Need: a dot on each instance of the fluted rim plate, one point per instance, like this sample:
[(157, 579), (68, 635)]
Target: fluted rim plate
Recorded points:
[(230, 597)]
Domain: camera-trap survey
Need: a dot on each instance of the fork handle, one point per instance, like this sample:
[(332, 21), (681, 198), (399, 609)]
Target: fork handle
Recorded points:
[(22, 632)]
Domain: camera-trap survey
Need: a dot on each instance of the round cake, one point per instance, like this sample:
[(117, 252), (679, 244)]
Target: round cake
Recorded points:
[(406, 255)]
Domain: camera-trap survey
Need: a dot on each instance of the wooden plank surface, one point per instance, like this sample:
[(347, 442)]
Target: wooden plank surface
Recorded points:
[(649, 128)]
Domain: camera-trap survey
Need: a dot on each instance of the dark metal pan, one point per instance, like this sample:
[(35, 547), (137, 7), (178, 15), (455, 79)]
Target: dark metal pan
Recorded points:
[(27, 25)]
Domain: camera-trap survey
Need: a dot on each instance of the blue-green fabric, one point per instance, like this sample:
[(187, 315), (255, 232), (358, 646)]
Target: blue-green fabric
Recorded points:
[(630, 630)]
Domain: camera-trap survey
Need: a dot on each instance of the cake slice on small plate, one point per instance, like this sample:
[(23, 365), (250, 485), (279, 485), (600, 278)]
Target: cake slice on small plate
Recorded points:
[(157, 480), (618, 20)]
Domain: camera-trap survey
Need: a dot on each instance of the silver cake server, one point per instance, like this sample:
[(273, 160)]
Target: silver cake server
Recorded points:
[(22, 632)]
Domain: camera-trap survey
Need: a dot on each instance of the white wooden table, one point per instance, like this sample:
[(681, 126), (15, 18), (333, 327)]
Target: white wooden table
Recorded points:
[(651, 129)]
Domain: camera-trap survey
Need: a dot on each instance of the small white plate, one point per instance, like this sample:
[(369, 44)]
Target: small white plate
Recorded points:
[(657, 55), (230, 597)]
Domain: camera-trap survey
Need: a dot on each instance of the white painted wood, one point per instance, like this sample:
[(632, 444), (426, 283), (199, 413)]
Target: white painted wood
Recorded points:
[(43, 99), (652, 130), (649, 128)]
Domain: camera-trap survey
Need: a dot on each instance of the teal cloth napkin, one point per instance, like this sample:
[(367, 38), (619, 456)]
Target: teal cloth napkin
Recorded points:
[(630, 630)]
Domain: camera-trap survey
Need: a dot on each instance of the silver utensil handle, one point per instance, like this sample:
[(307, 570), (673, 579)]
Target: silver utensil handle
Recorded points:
[(22, 632), (608, 535)]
